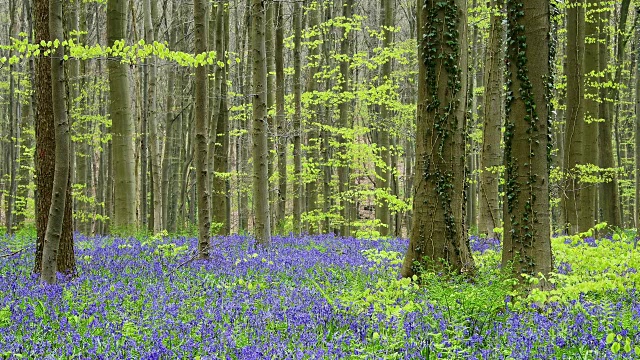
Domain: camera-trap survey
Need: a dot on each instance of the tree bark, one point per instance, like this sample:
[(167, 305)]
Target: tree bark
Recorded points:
[(122, 152), (201, 11), (55, 222), (438, 238), (297, 119), (282, 135), (574, 127), (262, 226), (492, 107), (527, 238)]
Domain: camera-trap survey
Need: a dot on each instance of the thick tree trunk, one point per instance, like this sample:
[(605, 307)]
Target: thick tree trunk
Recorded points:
[(438, 238), (527, 238), (262, 226), (122, 152), (574, 128), (55, 222), (201, 11)]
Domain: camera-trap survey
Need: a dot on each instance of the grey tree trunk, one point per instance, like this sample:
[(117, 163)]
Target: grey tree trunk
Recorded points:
[(637, 134), (343, 170), (527, 237), (297, 119), (122, 151), (383, 173), (262, 226), (574, 127), (200, 13), (492, 107), (280, 119), (61, 174), (313, 141)]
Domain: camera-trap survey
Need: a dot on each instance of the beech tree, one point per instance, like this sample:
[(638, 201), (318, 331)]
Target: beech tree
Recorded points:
[(527, 238), (438, 237)]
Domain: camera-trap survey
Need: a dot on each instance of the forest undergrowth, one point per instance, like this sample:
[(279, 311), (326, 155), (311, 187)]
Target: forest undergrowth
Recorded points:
[(315, 297)]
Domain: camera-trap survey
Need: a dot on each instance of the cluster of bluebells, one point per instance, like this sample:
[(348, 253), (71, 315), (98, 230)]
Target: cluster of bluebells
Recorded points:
[(130, 300)]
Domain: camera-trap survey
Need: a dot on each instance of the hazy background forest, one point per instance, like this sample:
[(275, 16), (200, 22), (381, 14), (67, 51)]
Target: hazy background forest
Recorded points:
[(260, 149), (341, 153)]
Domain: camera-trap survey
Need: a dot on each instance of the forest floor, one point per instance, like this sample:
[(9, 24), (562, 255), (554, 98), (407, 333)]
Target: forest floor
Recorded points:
[(315, 297)]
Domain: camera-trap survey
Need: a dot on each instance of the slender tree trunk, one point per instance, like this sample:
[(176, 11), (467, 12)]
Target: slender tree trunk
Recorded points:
[(574, 128), (122, 152), (55, 222), (152, 120), (280, 118), (168, 158), (383, 173), (343, 170), (313, 141), (438, 236), (587, 206), (220, 194), (297, 119), (491, 156), (201, 11), (637, 134), (609, 197), (262, 226), (527, 237), (13, 138)]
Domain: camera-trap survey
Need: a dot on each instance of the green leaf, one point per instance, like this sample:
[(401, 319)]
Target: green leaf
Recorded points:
[(615, 348), (610, 338)]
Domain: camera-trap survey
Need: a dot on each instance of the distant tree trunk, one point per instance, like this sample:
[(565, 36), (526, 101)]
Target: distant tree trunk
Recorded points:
[(527, 237), (280, 118), (637, 134), (13, 138), (587, 213), (220, 195), (55, 222), (44, 158), (438, 238), (169, 167), (343, 169), (383, 173), (574, 128), (262, 226), (122, 152), (152, 119), (297, 119), (201, 11), (609, 204), (491, 156), (313, 141)]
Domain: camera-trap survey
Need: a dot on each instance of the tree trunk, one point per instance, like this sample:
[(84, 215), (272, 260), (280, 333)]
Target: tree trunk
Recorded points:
[(587, 213), (201, 11), (169, 167), (527, 238), (219, 194), (53, 233), (262, 226), (637, 134), (297, 119), (383, 173), (122, 152), (313, 141), (438, 238), (343, 169), (574, 128), (44, 158), (609, 197), (280, 119)]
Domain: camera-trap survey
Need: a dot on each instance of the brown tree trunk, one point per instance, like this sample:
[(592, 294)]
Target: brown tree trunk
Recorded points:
[(438, 236), (297, 119), (527, 238)]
